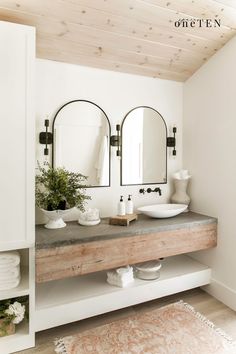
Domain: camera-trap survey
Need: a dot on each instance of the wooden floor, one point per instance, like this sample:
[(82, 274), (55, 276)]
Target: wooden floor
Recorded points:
[(214, 310)]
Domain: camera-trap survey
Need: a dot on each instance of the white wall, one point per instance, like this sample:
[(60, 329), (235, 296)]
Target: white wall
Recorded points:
[(116, 93), (209, 152)]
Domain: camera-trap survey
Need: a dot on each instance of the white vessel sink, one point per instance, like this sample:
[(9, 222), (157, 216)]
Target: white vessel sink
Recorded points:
[(163, 210)]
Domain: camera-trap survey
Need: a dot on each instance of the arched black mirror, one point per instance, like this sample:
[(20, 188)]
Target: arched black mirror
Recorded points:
[(81, 141), (143, 147)]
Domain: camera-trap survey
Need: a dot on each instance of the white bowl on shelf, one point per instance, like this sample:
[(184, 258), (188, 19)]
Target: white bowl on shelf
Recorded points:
[(148, 270)]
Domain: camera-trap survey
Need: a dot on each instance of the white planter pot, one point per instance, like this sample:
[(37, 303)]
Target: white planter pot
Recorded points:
[(55, 218)]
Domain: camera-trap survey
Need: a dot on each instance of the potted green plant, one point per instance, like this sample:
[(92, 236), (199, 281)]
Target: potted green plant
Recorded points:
[(12, 312), (57, 191)]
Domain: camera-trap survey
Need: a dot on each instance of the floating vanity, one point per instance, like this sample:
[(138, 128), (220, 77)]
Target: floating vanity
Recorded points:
[(71, 264)]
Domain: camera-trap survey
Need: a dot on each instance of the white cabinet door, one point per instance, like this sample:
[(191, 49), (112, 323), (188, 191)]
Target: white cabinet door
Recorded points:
[(17, 53)]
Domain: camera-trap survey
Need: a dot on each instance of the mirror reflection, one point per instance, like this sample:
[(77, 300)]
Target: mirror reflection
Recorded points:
[(81, 132), (144, 155)]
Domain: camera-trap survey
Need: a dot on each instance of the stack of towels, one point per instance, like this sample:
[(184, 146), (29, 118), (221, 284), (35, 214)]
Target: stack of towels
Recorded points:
[(120, 277), (9, 270)]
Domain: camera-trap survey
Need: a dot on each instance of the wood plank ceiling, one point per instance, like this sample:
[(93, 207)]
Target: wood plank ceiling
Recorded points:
[(134, 36)]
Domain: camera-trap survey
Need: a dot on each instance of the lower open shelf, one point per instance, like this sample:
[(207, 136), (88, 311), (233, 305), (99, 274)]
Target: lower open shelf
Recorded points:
[(62, 301), (21, 340)]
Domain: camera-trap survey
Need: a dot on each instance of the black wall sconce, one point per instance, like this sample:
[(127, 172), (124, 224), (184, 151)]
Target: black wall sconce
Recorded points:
[(46, 138), (171, 141), (115, 140)]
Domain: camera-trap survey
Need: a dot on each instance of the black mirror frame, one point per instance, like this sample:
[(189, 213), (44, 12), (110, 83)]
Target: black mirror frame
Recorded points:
[(140, 184), (109, 125)]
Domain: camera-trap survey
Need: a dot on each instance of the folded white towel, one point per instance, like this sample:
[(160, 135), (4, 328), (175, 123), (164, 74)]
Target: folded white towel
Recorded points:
[(121, 277), (119, 283), (9, 259), (10, 273), (124, 270), (124, 274), (125, 278), (9, 284)]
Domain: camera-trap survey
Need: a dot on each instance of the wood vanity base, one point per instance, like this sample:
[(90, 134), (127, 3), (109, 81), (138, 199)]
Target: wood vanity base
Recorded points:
[(83, 258)]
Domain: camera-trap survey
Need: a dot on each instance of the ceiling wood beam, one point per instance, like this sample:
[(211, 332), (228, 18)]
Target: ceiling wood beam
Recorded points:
[(100, 38), (100, 63), (136, 36)]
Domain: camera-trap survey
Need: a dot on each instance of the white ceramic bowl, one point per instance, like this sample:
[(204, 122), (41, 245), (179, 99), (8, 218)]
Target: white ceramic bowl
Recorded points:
[(163, 210), (148, 270)]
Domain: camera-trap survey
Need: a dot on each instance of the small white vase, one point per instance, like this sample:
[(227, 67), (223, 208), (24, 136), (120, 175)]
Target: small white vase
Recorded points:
[(55, 218), (180, 196)]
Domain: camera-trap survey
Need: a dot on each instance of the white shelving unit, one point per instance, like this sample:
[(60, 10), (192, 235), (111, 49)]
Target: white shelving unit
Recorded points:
[(25, 335), (11, 246), (63, 301), (17, 159), (21, 340)]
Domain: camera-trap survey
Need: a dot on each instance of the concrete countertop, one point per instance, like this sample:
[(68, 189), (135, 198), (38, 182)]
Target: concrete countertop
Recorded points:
[(74, 233)]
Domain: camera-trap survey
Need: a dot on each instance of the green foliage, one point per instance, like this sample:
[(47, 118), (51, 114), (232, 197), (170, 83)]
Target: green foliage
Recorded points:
[(55, 185)]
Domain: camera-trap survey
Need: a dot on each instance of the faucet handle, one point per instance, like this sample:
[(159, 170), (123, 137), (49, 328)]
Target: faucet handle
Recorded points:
[(142, 191), (158, 189), (150, 190)]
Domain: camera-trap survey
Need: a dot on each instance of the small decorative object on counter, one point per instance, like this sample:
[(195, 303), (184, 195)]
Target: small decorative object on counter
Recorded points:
[(122, 220), (55, 218), (58, 191), (121, 206), (120, 277), (148, 270), (130, 206), (9, 270), (12, 312), (181, 180), (90, 217)]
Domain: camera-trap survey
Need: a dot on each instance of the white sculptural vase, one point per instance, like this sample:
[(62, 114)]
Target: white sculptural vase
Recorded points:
[(180, 196)]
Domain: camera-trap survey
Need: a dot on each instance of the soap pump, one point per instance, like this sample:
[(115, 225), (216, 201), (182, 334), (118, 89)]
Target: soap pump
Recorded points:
[(130, 205), (121, 206)]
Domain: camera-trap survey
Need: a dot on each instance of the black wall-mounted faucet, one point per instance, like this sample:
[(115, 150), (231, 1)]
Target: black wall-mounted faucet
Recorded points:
[(157, 189), (149, 190)]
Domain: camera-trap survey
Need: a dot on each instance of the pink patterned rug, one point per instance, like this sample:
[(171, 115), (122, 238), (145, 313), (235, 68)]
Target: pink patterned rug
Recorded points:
[(172, 329)]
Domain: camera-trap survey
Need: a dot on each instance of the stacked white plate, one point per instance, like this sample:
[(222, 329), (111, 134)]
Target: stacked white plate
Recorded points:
[(148, 270), (89, 222)]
